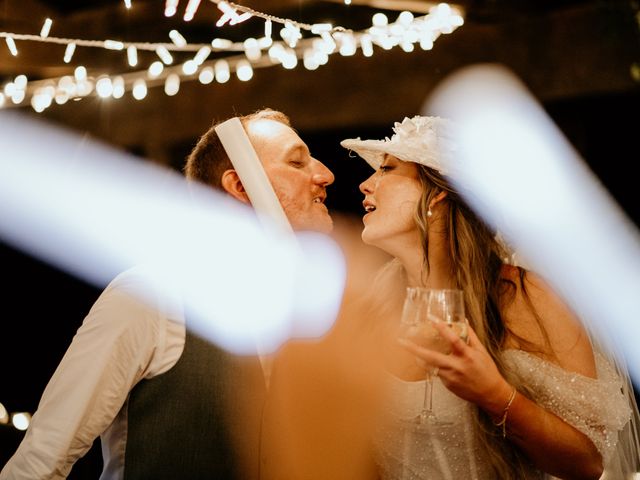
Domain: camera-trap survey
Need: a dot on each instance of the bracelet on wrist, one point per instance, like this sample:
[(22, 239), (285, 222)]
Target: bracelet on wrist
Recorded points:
[(505, 413)]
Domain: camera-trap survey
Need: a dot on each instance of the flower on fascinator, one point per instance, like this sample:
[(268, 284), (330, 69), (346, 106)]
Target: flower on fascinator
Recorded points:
[(424, 140), (410, 125)]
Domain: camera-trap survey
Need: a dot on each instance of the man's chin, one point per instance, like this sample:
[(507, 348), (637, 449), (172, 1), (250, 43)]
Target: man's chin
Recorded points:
[(320, 224), (325, 223)]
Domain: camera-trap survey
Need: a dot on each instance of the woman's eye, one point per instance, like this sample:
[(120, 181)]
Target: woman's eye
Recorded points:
[(385, 168)]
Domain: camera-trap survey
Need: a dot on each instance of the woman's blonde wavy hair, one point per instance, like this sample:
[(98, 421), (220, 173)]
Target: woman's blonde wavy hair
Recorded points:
[(477, 260)]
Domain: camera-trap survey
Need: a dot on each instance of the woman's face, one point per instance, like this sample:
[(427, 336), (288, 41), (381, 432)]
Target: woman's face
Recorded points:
[(391, 197)]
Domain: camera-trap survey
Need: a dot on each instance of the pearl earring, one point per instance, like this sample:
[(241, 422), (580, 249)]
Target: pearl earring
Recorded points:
[(429, 212)]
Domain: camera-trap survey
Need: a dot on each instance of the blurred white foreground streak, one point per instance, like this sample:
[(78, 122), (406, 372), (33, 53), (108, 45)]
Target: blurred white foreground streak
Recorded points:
[(521, 174), (528, 181), (94, 211)]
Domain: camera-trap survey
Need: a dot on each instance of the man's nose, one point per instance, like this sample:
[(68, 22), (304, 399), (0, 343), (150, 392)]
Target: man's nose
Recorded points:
[(322, 175)]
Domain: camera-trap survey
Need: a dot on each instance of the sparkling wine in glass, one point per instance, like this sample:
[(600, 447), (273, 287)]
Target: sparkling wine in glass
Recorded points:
[(423, 308)]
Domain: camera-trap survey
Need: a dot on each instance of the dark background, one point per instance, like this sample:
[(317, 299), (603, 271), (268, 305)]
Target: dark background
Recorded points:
[(577, 57)]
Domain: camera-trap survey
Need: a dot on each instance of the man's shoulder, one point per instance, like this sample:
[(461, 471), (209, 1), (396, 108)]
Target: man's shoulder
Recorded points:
[(143, 285)]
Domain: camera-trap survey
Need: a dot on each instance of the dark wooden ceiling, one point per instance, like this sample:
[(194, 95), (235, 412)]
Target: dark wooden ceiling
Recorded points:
[(561, 49)]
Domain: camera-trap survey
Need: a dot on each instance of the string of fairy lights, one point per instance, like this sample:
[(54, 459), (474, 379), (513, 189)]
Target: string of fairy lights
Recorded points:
[(288, 48)]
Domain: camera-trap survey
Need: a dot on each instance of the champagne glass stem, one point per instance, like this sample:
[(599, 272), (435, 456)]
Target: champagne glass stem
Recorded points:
[(427, 404)]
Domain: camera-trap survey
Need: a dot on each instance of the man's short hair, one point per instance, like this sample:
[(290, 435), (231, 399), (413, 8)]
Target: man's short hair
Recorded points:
[(208, 160)]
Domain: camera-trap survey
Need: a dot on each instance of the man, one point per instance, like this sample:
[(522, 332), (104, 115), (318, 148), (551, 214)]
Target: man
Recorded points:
[(165, 402), (298, 179)]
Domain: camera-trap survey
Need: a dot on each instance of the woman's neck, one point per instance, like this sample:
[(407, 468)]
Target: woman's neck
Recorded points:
[(439, 271), (437, 277)]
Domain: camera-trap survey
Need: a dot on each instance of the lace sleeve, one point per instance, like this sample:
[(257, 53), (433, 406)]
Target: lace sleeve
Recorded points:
[(595, 407)]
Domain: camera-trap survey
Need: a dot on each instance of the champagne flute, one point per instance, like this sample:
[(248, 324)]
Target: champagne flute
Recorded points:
[(422, 309)]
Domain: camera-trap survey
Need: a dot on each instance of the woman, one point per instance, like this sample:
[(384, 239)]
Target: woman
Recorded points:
[(527, 395)]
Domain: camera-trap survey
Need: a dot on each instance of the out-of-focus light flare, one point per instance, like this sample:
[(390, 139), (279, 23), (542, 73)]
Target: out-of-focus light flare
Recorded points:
[(21, 420), (4, 415), (529, 181), (94, 212)]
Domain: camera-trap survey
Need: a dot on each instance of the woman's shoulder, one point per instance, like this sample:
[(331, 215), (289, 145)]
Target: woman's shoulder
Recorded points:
[(539, 320)]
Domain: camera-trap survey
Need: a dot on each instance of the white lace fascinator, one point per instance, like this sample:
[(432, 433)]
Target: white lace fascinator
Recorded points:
[(424, 140), (429, 141)]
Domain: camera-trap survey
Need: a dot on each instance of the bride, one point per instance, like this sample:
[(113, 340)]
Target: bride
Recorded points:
[(529, 395)]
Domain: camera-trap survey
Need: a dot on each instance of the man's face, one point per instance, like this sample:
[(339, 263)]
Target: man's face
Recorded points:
[(298, 179)]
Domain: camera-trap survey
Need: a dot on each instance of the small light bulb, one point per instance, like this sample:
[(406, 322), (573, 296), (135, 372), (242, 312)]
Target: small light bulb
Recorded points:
[(11, 45), (380, 20), (189, 67), (155, 69), (172, 84), (244, 70), (46, 28), (139, 89), (206, 75), (164, 55), (177, 38), (68, 52), (118, 87), (132, 55), (20, 82), (221, 68), (80, 73), (104, 87)]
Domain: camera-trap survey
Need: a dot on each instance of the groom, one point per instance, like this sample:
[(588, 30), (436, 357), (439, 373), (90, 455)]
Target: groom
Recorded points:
[(166, 403)]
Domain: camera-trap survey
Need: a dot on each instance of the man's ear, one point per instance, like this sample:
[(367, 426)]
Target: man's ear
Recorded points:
[(233, 186)]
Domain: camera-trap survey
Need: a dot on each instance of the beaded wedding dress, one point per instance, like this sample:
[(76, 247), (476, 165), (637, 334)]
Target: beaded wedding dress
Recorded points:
[(449, 449)]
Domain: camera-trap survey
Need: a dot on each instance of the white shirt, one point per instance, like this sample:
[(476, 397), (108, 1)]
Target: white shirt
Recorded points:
[(121, 341)]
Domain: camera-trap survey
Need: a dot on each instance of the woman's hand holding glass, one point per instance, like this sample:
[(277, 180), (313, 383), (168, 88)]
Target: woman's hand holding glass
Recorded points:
[(423, 310), (464, 367)]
